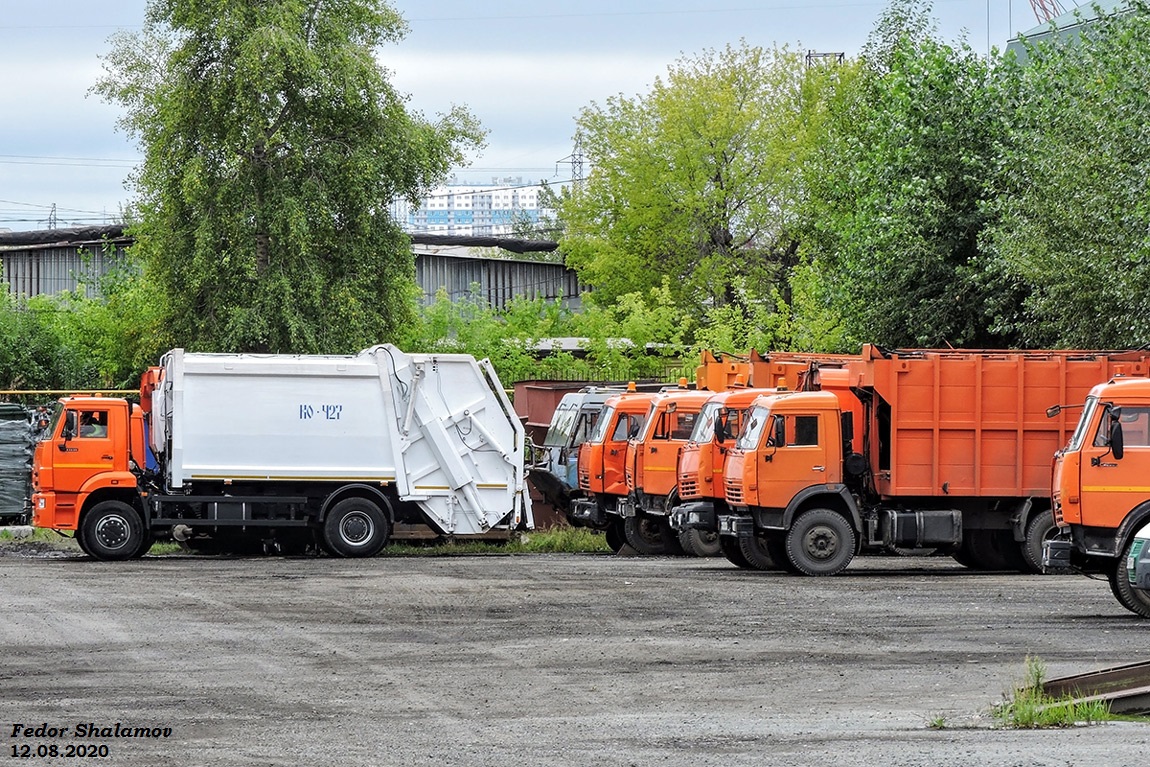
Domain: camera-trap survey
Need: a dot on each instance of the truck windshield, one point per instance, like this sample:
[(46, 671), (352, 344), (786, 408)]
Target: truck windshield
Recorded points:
[(57, 414), (1079, 435), (753, 431), (705, 425), (605, 418), (562, 425)]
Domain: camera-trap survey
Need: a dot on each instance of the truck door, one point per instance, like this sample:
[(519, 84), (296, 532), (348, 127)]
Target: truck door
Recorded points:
[(1111, 487), (89, 452), (793, 457), (615, 454)]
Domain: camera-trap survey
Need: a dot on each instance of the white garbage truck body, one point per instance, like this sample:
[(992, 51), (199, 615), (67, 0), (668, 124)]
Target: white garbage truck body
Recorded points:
[(439, 427), (335, 449)]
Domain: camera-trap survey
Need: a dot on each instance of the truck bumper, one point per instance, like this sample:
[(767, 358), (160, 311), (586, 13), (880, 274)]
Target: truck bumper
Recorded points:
[(1056, 555), (586, 511), (734, 525), (695, 515)]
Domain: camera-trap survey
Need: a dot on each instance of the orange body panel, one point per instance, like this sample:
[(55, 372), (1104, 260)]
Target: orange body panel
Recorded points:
[(942, 423), (974, 423)]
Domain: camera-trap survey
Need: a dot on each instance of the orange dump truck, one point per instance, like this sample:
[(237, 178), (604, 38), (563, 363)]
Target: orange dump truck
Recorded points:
[(1100, 491), (701, 495), (942, 449)]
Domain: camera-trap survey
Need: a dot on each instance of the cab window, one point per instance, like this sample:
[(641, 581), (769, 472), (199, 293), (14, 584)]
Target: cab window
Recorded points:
[(1135, 428), (93, 424), (803, 430)]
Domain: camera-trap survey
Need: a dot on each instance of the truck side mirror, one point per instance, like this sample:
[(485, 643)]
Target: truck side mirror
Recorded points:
[(70, 421), (720, 429), (1116, 446)]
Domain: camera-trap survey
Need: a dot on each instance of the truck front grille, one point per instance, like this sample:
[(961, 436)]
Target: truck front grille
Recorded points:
[(734, 491), (688, 486)]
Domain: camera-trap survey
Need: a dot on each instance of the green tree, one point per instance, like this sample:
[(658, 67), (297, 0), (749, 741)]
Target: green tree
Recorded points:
[(1072, 233), (273, 146), (894, 208), (690, 185)]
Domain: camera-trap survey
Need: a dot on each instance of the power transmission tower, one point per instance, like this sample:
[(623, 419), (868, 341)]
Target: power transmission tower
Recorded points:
[(576, 161), (1045, 10)]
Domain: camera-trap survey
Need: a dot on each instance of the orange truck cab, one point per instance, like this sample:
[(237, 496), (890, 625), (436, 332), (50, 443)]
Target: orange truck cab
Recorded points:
[(90, 458), (700, 478), (650, 470), (915, 449), (602, 460), (1100, 490)]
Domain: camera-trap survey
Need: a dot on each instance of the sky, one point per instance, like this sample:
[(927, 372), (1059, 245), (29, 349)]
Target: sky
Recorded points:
[(524, 68)]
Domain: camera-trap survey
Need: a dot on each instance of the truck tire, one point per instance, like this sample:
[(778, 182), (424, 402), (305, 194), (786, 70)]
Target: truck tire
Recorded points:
[(755, 551), (820, 542), (733, 551), (650, 536), (699, 543), (1038, 531), (355, 527), (993, 550), (776, 545), (112, 531), (1135, 600)]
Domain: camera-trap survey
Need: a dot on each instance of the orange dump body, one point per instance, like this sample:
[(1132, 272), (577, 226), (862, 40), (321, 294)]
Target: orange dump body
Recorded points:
[(929, 423)]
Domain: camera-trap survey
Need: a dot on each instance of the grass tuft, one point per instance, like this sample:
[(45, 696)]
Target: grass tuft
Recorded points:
[(1031, 708), (556, 540)]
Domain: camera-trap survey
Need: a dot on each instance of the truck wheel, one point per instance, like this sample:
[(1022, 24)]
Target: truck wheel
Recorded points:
[(776, 545), (1135, 600), (650, 536), (616, 539), (993, 550), (699, 543), (757, 554), (1038, 531), (355, 527), (112, 530), (733, 551), (820, 542)]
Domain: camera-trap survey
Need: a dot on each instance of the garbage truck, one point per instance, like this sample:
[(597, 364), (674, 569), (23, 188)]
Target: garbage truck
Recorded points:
[(333, 450), (947, 450)]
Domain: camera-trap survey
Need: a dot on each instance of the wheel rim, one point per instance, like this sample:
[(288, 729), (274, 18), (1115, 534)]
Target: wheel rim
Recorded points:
[(649, 531), (112, 532), (356, 528), (821, 542)]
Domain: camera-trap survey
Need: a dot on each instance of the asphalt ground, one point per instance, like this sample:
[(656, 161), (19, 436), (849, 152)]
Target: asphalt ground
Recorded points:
[(551, 659)]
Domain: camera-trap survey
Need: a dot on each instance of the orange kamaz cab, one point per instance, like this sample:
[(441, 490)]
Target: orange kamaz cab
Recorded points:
[(650, 470), (601, 464), (1101, 486), (702, 459), (942, 449)]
